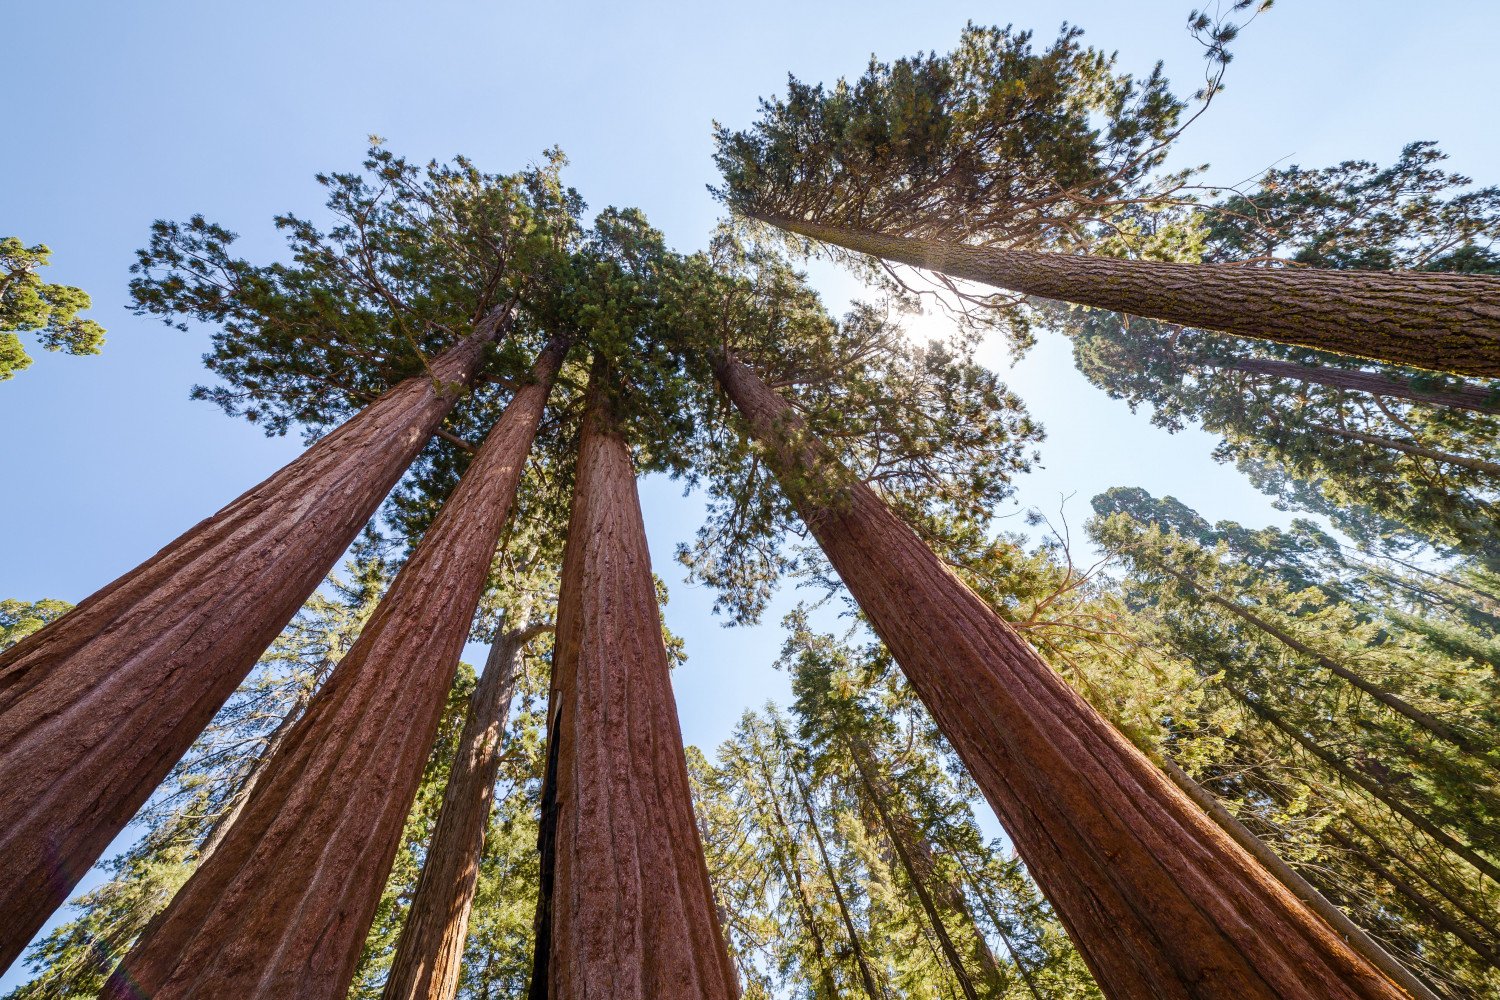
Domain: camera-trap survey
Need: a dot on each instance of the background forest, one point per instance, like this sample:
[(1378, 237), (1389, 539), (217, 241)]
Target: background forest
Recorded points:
[(1273, 569)]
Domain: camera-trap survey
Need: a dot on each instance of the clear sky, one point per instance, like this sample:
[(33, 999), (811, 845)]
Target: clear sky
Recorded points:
[(121, 113)]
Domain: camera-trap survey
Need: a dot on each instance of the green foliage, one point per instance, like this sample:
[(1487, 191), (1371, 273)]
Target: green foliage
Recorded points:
[(415, 256), (30, 305), (938, 436), (18, 619), (1344, 711)]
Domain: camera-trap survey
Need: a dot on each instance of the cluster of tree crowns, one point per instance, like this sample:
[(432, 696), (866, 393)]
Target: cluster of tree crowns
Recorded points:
[(1336, 695)]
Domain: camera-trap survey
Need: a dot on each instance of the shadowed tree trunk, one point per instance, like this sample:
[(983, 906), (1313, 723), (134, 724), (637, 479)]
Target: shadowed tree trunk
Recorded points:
[(430, 951), (97, 707), (1159, 900), (631, 913), (1438, 321), (283, 906)]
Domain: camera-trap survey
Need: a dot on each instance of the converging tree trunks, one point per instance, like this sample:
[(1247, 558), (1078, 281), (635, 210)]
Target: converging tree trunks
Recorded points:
[(282, 907), (96, 708)]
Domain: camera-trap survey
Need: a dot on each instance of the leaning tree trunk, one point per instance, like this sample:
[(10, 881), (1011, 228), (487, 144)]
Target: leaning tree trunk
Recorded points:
[(1159, 900), (97, 707), (283, 906), (631, 912), (1463, 397), (430, 951), (1438, 321)]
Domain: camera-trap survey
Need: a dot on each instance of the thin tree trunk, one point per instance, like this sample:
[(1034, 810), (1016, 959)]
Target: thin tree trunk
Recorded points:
[(1437, 321), (1392, 701), (283, 906), (1160, 901), (899, 839), (1415, 896), (999, 925), (866, 976), (1377, 790), (429, 953), (257, 766), (1465, 397), (632, 913), (97, 707), (1408, 448), (792, 870)]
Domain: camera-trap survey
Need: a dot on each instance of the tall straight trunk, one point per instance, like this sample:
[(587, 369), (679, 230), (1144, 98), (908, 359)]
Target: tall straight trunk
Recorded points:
[(283, 906), (1464, 397), (632, 915), (1159, 900), (430, 950), (1437, 321), (866, 975), (97, 707), (902, 841), (1390, 700)]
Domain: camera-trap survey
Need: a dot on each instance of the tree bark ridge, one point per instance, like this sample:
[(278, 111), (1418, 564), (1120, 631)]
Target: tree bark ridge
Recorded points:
[(283, 906), (1160, 901), (96, 708)]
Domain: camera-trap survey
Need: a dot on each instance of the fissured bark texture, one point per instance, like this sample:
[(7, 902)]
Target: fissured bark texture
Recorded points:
[(97, 707), (1159, 900), (632, 916), (1438, 321), (430, 951), (281, 909)]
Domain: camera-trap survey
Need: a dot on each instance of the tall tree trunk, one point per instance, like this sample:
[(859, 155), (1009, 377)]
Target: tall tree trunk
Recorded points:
[(1464, 397), (632, 914), (430, 950), (97, 707), (903, 841), (1160, 901), (283, 906), (866, 975), (1437, 321)]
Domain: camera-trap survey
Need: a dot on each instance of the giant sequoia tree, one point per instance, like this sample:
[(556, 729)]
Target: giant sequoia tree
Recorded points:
[(1039, 171), (419, 277)]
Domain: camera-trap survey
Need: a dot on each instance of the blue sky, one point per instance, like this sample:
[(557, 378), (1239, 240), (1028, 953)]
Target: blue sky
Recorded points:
[(119, 114)]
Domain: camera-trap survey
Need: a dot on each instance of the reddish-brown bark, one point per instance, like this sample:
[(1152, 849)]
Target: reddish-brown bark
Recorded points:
[(1438, 321), (282, 907), (97, 707), (631, 913), (1160, 901), (430, 951)]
